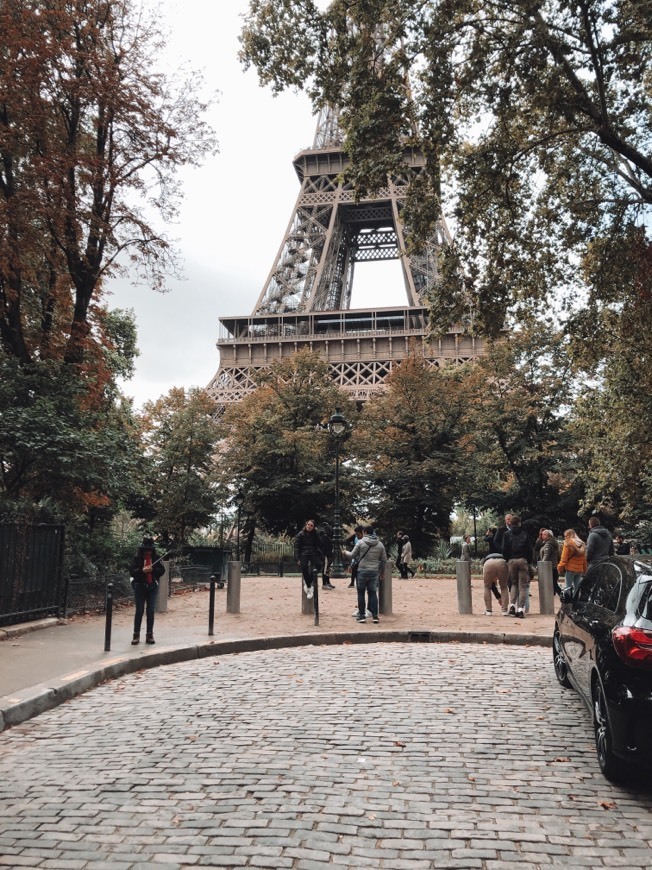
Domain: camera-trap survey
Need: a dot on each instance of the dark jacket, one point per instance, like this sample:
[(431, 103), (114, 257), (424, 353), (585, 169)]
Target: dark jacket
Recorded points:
[(599, 545), (516, 544), (498, 540), (136, 567), (308, 544)]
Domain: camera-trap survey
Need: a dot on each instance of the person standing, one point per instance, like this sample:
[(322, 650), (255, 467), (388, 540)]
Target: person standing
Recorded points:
[(500, 535), (517, 551), (489, 538), (399, 548), (573, 559), (146, 568), (549, 552), (327, 549), (309, 555), (599, 544), (621, 547), (351, 542), (466, 549), (371, 558)]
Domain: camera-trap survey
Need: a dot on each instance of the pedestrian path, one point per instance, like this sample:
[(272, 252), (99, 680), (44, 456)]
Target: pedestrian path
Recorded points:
[(54, 661)]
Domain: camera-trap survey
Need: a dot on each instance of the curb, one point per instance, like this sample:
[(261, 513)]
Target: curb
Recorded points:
[(27, 703), (10, 631)]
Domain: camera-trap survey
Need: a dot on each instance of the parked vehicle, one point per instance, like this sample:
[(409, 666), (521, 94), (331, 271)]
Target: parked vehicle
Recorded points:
[(602, 646)]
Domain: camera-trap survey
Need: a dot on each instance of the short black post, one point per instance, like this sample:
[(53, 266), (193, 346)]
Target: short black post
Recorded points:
[(280, 569), (315, 594), (109, 617), (211, 607)]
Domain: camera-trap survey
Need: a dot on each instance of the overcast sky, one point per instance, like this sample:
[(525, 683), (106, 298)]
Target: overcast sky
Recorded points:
[(235, 209)]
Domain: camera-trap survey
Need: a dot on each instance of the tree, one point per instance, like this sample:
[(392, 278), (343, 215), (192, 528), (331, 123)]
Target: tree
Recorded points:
[(179, 487), (526, 459), (91, 136), (413, 450), (534, 121), (275, 449)]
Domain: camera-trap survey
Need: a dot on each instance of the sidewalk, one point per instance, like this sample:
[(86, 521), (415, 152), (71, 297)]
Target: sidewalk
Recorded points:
[(43, 664)]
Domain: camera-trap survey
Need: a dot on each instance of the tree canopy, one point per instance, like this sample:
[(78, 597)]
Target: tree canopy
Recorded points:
[(535, 121), (91, 135)]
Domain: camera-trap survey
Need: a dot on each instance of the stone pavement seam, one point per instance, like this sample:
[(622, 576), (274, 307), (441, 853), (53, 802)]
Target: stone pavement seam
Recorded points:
[(27, 703)]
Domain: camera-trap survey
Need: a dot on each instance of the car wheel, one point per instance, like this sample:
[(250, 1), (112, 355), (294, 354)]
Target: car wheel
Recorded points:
[(610, 766), (561, 668)]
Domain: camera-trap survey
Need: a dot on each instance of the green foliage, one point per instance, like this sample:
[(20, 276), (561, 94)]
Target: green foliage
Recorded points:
[(179, 491), (275, 449), (411, 445), (535, 123)]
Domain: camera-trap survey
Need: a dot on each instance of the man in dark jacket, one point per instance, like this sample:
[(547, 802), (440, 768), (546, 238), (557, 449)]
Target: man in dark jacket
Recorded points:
[(599, 545), (146, 568), (517, 550), (309, 554)]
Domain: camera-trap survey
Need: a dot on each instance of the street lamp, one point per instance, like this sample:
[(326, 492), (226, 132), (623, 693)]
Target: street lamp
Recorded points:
[(337, 426), (238, 500)]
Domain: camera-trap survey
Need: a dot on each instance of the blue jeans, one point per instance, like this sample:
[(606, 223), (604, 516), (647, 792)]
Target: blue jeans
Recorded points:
[(145, 594), (573, 579), (367, 582)]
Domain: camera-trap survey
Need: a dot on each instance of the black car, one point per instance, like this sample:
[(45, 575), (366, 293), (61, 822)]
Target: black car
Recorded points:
[(602, 646)]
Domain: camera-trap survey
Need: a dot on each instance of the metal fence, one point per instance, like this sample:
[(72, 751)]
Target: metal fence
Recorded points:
[(86, 595), (31, 575)]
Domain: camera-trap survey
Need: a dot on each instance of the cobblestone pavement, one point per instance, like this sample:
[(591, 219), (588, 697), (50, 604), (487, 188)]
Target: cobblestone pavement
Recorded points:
[(383, 756)]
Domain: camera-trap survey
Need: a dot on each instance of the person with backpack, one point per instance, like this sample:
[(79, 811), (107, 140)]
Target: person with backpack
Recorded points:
[(517, 552), (146, 569)]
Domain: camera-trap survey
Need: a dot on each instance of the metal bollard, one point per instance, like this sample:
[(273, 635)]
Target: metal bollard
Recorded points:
[(315, 595), (163, 586), (546, 591), (385, 591), (463, 574), (109, 617), (233, 588), (211, 607)]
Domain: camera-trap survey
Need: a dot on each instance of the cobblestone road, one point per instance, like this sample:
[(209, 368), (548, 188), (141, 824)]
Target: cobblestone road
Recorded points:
[(397, 756)]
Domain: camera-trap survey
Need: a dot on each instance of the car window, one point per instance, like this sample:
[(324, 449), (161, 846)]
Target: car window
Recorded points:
[(605, 590)]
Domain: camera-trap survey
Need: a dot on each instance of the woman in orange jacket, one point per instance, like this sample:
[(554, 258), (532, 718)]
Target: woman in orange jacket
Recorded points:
[(573, 559)]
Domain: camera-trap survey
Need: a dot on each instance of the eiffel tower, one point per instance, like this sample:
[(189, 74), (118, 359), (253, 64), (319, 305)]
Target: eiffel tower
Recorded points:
[(305, 302)]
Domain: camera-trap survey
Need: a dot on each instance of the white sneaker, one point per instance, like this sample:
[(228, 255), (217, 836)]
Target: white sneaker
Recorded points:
[(305, 587), (512, 610), (487, 613), (356, 613), (368, 614), (505, 613), (310, 592)]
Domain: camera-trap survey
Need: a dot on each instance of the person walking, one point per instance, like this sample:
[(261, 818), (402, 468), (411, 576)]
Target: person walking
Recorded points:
[(406, 558), (371, 557), (309, 555), (146, 568), (599, 544), (495, 572), (399, 548), (573, 559), (517, 551)]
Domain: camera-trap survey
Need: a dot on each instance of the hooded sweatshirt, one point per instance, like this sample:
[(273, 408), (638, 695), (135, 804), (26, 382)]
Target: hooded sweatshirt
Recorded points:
[(369, 553), (599, 545)]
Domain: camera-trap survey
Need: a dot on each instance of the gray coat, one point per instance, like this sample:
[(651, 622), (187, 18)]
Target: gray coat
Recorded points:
[(599, 545), (369, 553)]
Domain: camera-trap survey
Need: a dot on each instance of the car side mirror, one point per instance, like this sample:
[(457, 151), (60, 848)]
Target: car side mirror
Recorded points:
[(567, 595)]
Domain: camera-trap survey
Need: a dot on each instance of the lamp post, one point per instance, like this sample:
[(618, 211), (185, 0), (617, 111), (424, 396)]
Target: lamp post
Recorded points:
[(337, 426), (238, 499)]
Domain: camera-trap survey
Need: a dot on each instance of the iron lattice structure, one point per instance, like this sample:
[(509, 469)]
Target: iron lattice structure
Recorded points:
[(306, 299)]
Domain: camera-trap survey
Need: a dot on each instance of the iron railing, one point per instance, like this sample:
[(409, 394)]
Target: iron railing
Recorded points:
[(31, 575)]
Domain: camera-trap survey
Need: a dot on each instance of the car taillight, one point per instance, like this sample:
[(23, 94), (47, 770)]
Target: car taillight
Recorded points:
[(633, 645)]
